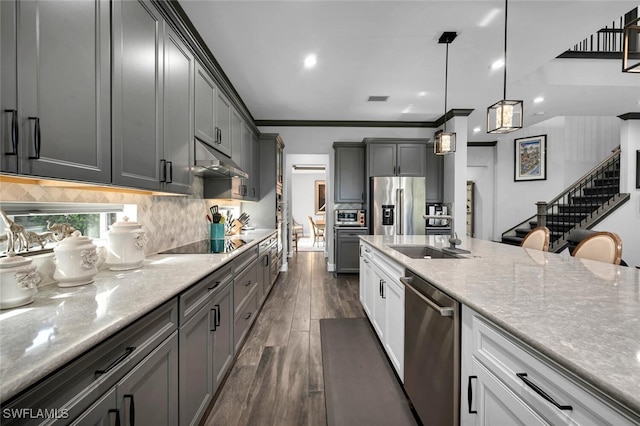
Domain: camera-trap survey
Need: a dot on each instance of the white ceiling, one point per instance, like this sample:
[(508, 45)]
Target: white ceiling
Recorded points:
[(391, 48)]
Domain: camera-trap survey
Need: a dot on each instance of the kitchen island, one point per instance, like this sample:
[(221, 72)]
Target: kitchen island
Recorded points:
[(64, 323), (583, 315)]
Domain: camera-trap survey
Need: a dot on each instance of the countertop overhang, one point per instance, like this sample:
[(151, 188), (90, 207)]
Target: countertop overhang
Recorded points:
[(63, 323), (582, 314)]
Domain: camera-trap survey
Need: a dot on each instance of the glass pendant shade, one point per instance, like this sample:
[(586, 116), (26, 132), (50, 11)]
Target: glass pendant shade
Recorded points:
[(631, 47), (504, 116), (445, 143)]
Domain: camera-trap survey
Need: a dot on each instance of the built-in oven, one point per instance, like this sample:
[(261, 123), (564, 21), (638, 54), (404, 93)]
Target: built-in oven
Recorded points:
[(349, 217)]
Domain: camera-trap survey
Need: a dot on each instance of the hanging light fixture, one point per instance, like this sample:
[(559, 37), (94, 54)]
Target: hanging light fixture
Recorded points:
[(445, 142), (506, 115), (631, 47)]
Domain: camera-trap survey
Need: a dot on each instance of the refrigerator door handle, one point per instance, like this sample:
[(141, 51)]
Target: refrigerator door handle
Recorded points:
[(399, 211)]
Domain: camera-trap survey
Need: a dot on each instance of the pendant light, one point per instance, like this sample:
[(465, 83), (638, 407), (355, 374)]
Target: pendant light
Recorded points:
[(506, 115), (631, 47), (445, 142)]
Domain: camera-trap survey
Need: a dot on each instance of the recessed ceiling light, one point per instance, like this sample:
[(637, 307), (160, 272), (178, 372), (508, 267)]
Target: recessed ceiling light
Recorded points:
[(476, 129), (489, 17), (539, 113), (497, 64), (407, 110), (421, 94), (538, 100), (310, 61)]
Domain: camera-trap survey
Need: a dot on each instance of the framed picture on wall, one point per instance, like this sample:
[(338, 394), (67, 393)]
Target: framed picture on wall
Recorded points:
[(530, 158), (321, 197)]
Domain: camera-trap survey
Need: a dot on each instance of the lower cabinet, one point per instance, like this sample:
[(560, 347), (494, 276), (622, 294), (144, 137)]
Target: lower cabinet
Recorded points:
[(102, 413), (509, 382), (382, 297), (346, 242)]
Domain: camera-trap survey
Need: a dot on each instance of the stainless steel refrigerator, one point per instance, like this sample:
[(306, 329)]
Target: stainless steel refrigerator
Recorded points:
[(398, 205)]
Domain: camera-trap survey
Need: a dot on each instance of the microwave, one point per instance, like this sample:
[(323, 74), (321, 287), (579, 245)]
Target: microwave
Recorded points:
[(349, 217)]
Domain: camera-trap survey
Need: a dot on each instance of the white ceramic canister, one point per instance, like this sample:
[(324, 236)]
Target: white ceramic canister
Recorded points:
[(76, 259), (126, 243), (18, 281)]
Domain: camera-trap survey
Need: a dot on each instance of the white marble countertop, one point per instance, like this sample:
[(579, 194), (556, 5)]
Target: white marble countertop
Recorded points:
[(585, 315), (62, 323)]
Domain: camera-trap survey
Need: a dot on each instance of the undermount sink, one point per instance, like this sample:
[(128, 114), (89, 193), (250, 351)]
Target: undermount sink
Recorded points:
[(425, 252)]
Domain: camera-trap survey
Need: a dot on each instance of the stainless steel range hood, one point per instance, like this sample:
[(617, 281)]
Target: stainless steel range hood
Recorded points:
[(210, 163)]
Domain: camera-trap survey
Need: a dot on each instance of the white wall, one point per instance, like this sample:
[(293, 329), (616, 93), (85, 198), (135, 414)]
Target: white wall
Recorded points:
[(481, 170), (303, 198)]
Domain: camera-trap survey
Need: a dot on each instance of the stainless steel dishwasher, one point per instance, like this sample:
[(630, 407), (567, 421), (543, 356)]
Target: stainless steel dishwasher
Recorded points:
[(431, 352)]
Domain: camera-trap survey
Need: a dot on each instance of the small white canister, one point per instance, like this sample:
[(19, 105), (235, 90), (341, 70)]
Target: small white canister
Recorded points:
[(126, 244), (76, 259), (18, 281)]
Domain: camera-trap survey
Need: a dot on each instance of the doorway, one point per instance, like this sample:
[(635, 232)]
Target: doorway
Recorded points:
[(309, 203)]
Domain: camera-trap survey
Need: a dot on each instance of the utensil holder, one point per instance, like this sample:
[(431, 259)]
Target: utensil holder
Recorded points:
[(217, 230)]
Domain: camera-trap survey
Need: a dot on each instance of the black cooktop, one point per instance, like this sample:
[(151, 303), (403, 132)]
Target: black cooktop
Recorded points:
[(222, 245)]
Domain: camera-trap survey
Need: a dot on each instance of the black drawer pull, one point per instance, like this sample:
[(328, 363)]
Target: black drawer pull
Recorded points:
[(14, 131), (170, 163), (117, 413), (470, 395), (543, 394), (248, 284), (217, 315), (132, 410), (213, 287), (213, 327), (36, 138), (248, 316), (163, 170), (113, 365)]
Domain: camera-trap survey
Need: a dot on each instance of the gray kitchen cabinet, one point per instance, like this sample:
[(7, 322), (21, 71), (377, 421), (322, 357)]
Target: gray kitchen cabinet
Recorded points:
[(152, 101), (149, 393), (253, 155), (56, 115), (397, 159), (223, 122), (211, 127), (435, 171), (102, 413), (349, 182), (346, 243), (238, 132), (223, 348)]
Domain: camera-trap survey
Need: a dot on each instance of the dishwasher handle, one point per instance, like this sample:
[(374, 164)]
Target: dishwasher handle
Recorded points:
[(444, 311)]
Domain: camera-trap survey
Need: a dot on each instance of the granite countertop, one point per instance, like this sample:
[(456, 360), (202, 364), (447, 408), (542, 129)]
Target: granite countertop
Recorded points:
[(63, 323), (584, 315)]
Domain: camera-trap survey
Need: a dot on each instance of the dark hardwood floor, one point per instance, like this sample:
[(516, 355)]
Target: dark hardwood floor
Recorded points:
[(277, 378)]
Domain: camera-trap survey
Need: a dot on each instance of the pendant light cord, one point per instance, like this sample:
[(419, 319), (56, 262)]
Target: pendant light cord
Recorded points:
[(505, 49), (446, 78)]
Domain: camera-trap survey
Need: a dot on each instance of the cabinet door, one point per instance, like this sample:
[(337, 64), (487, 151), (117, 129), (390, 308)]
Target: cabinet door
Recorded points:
[(196, 367), (64, 89), (137, 94), (350, 175), (178, 113), (412, 160), (223, 352), (379, 286), (8, 91), (347, 255), (435, 169), (382, 159), (254, 172), (205, 109), (102, 413), (394, 344), (223, 122), (148, 395)]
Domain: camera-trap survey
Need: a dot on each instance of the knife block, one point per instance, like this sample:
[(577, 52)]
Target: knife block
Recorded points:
[(236, 227)]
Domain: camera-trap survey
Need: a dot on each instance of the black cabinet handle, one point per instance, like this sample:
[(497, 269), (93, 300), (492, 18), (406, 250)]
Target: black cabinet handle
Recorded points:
[(113, 365), (213, 326), (117, 413), (470, 394), (132, 410), (217, 315), (543, 394), (163, 170), (170, 164), (248, 283), (394, 170), (36, 138), (383, 282), (253, 192), (248, 316), (213, 287), (14, 131), (398, 170)]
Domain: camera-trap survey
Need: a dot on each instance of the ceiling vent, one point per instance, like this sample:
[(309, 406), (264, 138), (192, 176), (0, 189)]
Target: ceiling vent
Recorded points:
[(377, 99)]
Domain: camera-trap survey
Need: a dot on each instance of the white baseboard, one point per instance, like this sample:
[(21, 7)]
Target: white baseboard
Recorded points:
[(331, 267)]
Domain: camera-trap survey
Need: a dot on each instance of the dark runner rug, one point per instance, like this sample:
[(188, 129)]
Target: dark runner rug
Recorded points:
[(359, 383)]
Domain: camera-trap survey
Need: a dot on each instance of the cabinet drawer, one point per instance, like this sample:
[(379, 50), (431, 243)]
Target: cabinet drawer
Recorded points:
[(243, 260), (76, 386), (197, 296), (244, 284), (244, 318), (505, 357)]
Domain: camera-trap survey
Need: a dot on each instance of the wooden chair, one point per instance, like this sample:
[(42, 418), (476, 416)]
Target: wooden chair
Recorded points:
[(600, 246), (537, 239), (297, 232), (317, 234)]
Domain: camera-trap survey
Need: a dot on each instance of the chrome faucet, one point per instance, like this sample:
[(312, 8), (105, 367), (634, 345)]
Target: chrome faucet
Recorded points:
[(453, 239)]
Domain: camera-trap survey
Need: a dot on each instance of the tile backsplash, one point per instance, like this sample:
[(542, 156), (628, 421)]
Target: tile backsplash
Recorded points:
[(170, 221)]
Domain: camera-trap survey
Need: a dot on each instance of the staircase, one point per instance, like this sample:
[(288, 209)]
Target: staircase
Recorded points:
[(585, 203)]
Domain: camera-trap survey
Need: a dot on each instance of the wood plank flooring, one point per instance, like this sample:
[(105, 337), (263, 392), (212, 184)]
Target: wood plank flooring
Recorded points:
[(277, 378)]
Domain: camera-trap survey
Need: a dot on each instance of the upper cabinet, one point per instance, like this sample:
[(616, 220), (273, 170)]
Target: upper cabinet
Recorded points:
[(212, 126), (152, 129), (397, 159), (56, 115), (349, 182)]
